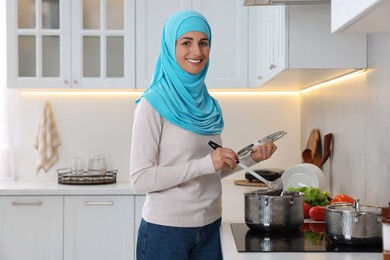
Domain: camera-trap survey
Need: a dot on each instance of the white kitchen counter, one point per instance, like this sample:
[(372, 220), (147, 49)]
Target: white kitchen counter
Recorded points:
[(233, 212)]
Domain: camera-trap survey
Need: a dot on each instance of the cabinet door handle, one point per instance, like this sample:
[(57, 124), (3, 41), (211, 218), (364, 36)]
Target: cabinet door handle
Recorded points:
[(98, 203), (272, 66), (37, 203)]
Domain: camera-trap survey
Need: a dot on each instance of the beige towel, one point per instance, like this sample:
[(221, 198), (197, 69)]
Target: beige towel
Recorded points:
[(47, 139)]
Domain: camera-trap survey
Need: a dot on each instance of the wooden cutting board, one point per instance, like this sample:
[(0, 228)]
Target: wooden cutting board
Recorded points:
[(253, 183)]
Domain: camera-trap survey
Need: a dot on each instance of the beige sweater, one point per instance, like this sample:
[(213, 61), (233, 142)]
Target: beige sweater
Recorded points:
[(173, 167)]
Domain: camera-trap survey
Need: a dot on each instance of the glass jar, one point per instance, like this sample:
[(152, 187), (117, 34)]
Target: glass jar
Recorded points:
[(97, 162)]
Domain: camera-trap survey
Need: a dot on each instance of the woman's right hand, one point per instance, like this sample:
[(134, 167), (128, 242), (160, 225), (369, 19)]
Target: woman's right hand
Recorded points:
[(224, 158)]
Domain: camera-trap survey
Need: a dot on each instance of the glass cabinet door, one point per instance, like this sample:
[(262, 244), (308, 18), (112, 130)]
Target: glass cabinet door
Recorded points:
[(103, 55), (37, 44), (71, 43)]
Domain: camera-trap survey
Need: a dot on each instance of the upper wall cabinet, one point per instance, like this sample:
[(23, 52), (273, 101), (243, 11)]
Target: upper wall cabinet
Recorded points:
[(360, 16), (229, 48), (91, 43), (293, 48), (71, 44), (151, 15), (230, 38)]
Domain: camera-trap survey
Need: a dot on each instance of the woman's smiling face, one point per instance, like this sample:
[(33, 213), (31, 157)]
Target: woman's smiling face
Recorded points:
[(192, 51)]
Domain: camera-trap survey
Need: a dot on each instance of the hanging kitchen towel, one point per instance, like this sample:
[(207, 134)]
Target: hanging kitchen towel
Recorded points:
[(47, 139)]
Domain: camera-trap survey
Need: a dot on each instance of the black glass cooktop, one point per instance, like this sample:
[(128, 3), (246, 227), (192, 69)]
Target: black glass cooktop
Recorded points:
[(310, 238)]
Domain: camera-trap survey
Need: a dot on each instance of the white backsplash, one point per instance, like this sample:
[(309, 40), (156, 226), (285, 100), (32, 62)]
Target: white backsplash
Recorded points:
[(104, 121), (357, 112)]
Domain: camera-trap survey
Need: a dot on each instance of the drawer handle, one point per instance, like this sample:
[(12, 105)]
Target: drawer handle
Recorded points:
[(98, 203), (38, 203)]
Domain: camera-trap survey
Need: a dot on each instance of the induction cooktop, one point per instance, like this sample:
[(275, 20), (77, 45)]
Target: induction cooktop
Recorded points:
[(310, 237)]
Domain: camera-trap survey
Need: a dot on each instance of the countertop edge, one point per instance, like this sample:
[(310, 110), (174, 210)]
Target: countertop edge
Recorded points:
[(53, 188)]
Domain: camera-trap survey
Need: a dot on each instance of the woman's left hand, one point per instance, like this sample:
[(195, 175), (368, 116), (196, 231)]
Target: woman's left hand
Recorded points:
[(263, 152)]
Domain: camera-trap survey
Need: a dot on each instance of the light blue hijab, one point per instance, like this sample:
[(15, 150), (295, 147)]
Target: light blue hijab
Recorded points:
[(180, 97)]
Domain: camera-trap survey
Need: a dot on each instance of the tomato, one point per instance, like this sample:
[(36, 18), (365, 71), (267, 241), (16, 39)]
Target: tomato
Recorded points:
[(317, 227), (306, 209), (305, 227), (342, 198), (317, 213)]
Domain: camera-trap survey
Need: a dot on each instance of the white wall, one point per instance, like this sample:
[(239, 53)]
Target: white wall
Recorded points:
[(103, 121), (357, 112)]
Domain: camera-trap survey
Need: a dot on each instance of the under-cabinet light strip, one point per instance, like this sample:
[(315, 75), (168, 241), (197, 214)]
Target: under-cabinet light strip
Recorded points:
[(338, 79), (137, 93), (214, 92)]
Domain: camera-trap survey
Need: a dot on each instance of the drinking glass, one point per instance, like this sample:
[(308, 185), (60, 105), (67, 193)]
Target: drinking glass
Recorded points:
[(76, 165)]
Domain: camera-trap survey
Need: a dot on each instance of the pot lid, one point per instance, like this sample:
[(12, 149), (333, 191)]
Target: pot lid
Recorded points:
[(355, 208), (269, 138)]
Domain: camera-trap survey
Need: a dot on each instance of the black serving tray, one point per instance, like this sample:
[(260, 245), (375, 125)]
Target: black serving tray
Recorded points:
[(65, 176)]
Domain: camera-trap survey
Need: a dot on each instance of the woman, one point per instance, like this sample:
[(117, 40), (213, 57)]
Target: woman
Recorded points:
[(171, 160)]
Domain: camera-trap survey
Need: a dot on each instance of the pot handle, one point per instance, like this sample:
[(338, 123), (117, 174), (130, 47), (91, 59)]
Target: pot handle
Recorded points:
[(266, 202), (356, 205)]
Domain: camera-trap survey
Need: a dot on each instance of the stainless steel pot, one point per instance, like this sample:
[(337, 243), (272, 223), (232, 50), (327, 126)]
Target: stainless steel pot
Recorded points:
[(273, 213), (353, 224)]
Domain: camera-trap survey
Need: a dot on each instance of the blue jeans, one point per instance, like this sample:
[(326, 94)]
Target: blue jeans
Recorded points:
[(156, 242)]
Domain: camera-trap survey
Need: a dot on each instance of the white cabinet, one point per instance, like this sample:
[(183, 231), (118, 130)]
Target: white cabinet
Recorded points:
[(293, 48), (71, 44), (229, 50), (69, 227), (360, 16), (151, 15), (99, 227), (31, 227), (268, 44)]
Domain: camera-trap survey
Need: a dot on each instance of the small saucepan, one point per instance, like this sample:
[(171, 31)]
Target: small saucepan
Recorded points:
[(353, 224)]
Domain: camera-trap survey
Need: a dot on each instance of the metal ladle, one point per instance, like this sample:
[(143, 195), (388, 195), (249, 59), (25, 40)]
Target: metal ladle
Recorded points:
[(274, 187)]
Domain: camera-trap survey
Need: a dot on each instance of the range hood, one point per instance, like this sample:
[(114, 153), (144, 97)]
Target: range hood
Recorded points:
[(283, 2)]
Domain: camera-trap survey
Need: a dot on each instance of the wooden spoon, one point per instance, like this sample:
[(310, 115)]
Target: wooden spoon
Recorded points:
[(313, 147)]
